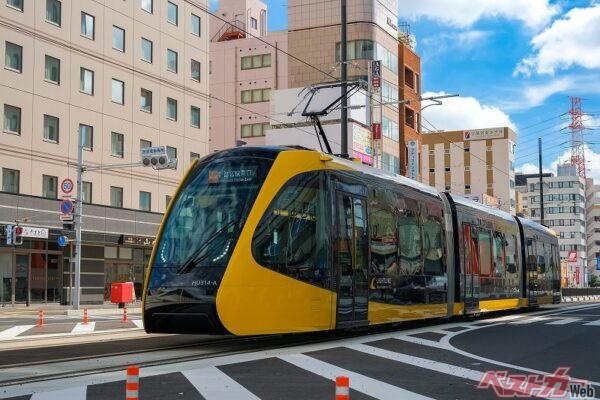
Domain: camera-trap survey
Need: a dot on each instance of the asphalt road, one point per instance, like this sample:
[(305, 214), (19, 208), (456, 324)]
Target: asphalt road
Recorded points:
[(437, 361)]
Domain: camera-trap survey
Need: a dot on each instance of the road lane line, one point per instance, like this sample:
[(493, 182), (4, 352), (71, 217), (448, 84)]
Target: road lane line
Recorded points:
[(529, 320), (15, 331), (212, 383), (138, 323), (416, 340), (81, 328), (76, 393), (563, 321), (358, 382)]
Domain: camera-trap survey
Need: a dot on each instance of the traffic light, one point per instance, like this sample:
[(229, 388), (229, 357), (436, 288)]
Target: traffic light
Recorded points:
[(18, 235), (157, 158)]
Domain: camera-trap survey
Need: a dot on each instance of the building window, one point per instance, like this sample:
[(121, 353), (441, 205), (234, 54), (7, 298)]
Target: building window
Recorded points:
[(16, 4), (467, 168), (195, 25), (257, 61), (145, 200), (147, 6), (49, 186), (195, 70), (432, 170), (390, 129), (118, 38), (146, 48), (195, 117), (10, 180), (194, 156), (87, 134), (171, 109), (51, 128), (87, 25), (118, 91), (116, 144), (86, 192), (409, 77), (53, 11), (146, 100), (409, 117), (145, 143), (467, 187), (13, 57), (172, 60), (467, 149), (171, 152), (86, 81), (52, 70), (447, 188), (167, 200), (447, 169), (255, 95), (391, 163), (172, 13), (116, 196), (254, 130), (253, 23), (12, 119), (417, 83)]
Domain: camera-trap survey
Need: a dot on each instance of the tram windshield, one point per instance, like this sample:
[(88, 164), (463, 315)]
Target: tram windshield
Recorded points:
[(206, 219)]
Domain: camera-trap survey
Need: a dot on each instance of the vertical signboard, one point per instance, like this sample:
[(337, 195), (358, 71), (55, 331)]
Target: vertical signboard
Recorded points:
[(376, 111), (413, 159), (376, 73)]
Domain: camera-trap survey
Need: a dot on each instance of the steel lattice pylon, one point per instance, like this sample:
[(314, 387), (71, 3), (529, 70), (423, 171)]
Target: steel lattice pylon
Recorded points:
[(577, 143)]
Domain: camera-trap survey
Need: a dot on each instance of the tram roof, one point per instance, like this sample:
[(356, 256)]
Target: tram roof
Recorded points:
[(483, 208)]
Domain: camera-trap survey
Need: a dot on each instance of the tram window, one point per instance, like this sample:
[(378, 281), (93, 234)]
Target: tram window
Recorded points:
[(499, 255), (433, 246), (291, 237), (511, 254), (485, 253), (541, 256), (409, 239), (383, 217), (471, 250)]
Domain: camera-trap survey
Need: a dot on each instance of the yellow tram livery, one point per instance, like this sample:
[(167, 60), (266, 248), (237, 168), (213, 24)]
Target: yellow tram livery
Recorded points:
[(265, 240)]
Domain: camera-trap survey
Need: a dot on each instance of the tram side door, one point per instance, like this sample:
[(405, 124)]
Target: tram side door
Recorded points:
[(351, 255), (471, 276)]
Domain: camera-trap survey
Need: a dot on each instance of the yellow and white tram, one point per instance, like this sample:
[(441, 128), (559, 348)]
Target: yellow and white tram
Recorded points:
[(264, 240)]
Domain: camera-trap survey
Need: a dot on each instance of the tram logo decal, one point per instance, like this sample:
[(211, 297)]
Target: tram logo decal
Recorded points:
[(558, 385)]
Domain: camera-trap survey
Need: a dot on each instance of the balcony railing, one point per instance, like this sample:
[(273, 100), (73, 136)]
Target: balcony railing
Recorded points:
[(230, 31)]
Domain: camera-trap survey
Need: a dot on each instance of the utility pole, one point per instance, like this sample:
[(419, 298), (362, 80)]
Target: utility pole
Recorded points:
[(541, 183), (344, 105), (77, 221)]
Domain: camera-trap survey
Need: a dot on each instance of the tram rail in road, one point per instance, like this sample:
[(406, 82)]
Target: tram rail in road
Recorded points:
[(152, 351)]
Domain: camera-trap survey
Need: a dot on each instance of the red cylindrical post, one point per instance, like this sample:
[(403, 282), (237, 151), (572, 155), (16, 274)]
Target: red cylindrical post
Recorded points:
[(132, 386), (125, 313), (342, 388), (41, 318), (85, 316)]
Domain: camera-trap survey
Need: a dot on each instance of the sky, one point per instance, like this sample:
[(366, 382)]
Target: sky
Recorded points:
[(512, 62)]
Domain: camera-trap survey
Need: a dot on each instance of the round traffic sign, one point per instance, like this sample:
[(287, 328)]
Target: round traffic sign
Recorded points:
[(62, 241), (67, 186), (66, 206)]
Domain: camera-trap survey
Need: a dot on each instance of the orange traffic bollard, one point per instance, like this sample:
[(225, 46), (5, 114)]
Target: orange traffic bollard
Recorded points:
[(124, 313), (342, 388), (132, 387), (85, 316), (41, 318)]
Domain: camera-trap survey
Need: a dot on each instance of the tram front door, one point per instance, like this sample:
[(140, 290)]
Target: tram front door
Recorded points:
[(351, 257)]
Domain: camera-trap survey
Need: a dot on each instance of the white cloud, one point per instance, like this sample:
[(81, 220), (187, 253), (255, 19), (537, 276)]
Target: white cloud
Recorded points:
[(592, 164), (457, 113), (463, 13), (571, 40), (460, 41)]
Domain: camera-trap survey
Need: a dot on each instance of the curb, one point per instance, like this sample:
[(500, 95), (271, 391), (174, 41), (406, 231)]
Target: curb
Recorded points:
[(104, 311)]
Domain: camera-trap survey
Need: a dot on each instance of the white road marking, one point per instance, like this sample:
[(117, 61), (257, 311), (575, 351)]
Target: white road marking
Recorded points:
[(13, 332), (417, 340), (81, 328), (594, 323), (361, 383), (211, 383), (563, 321), (138, 322), (76, 393), (529, 320)]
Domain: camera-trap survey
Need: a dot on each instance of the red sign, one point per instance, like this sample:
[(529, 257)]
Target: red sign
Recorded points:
[(376, 128), (376, 81), (67, 186), (572, 256)]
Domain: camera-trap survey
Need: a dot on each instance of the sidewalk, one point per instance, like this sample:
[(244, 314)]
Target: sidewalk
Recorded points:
[(9, 311)]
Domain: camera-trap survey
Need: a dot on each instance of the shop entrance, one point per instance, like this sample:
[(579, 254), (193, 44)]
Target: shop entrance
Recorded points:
[(30, 276)]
